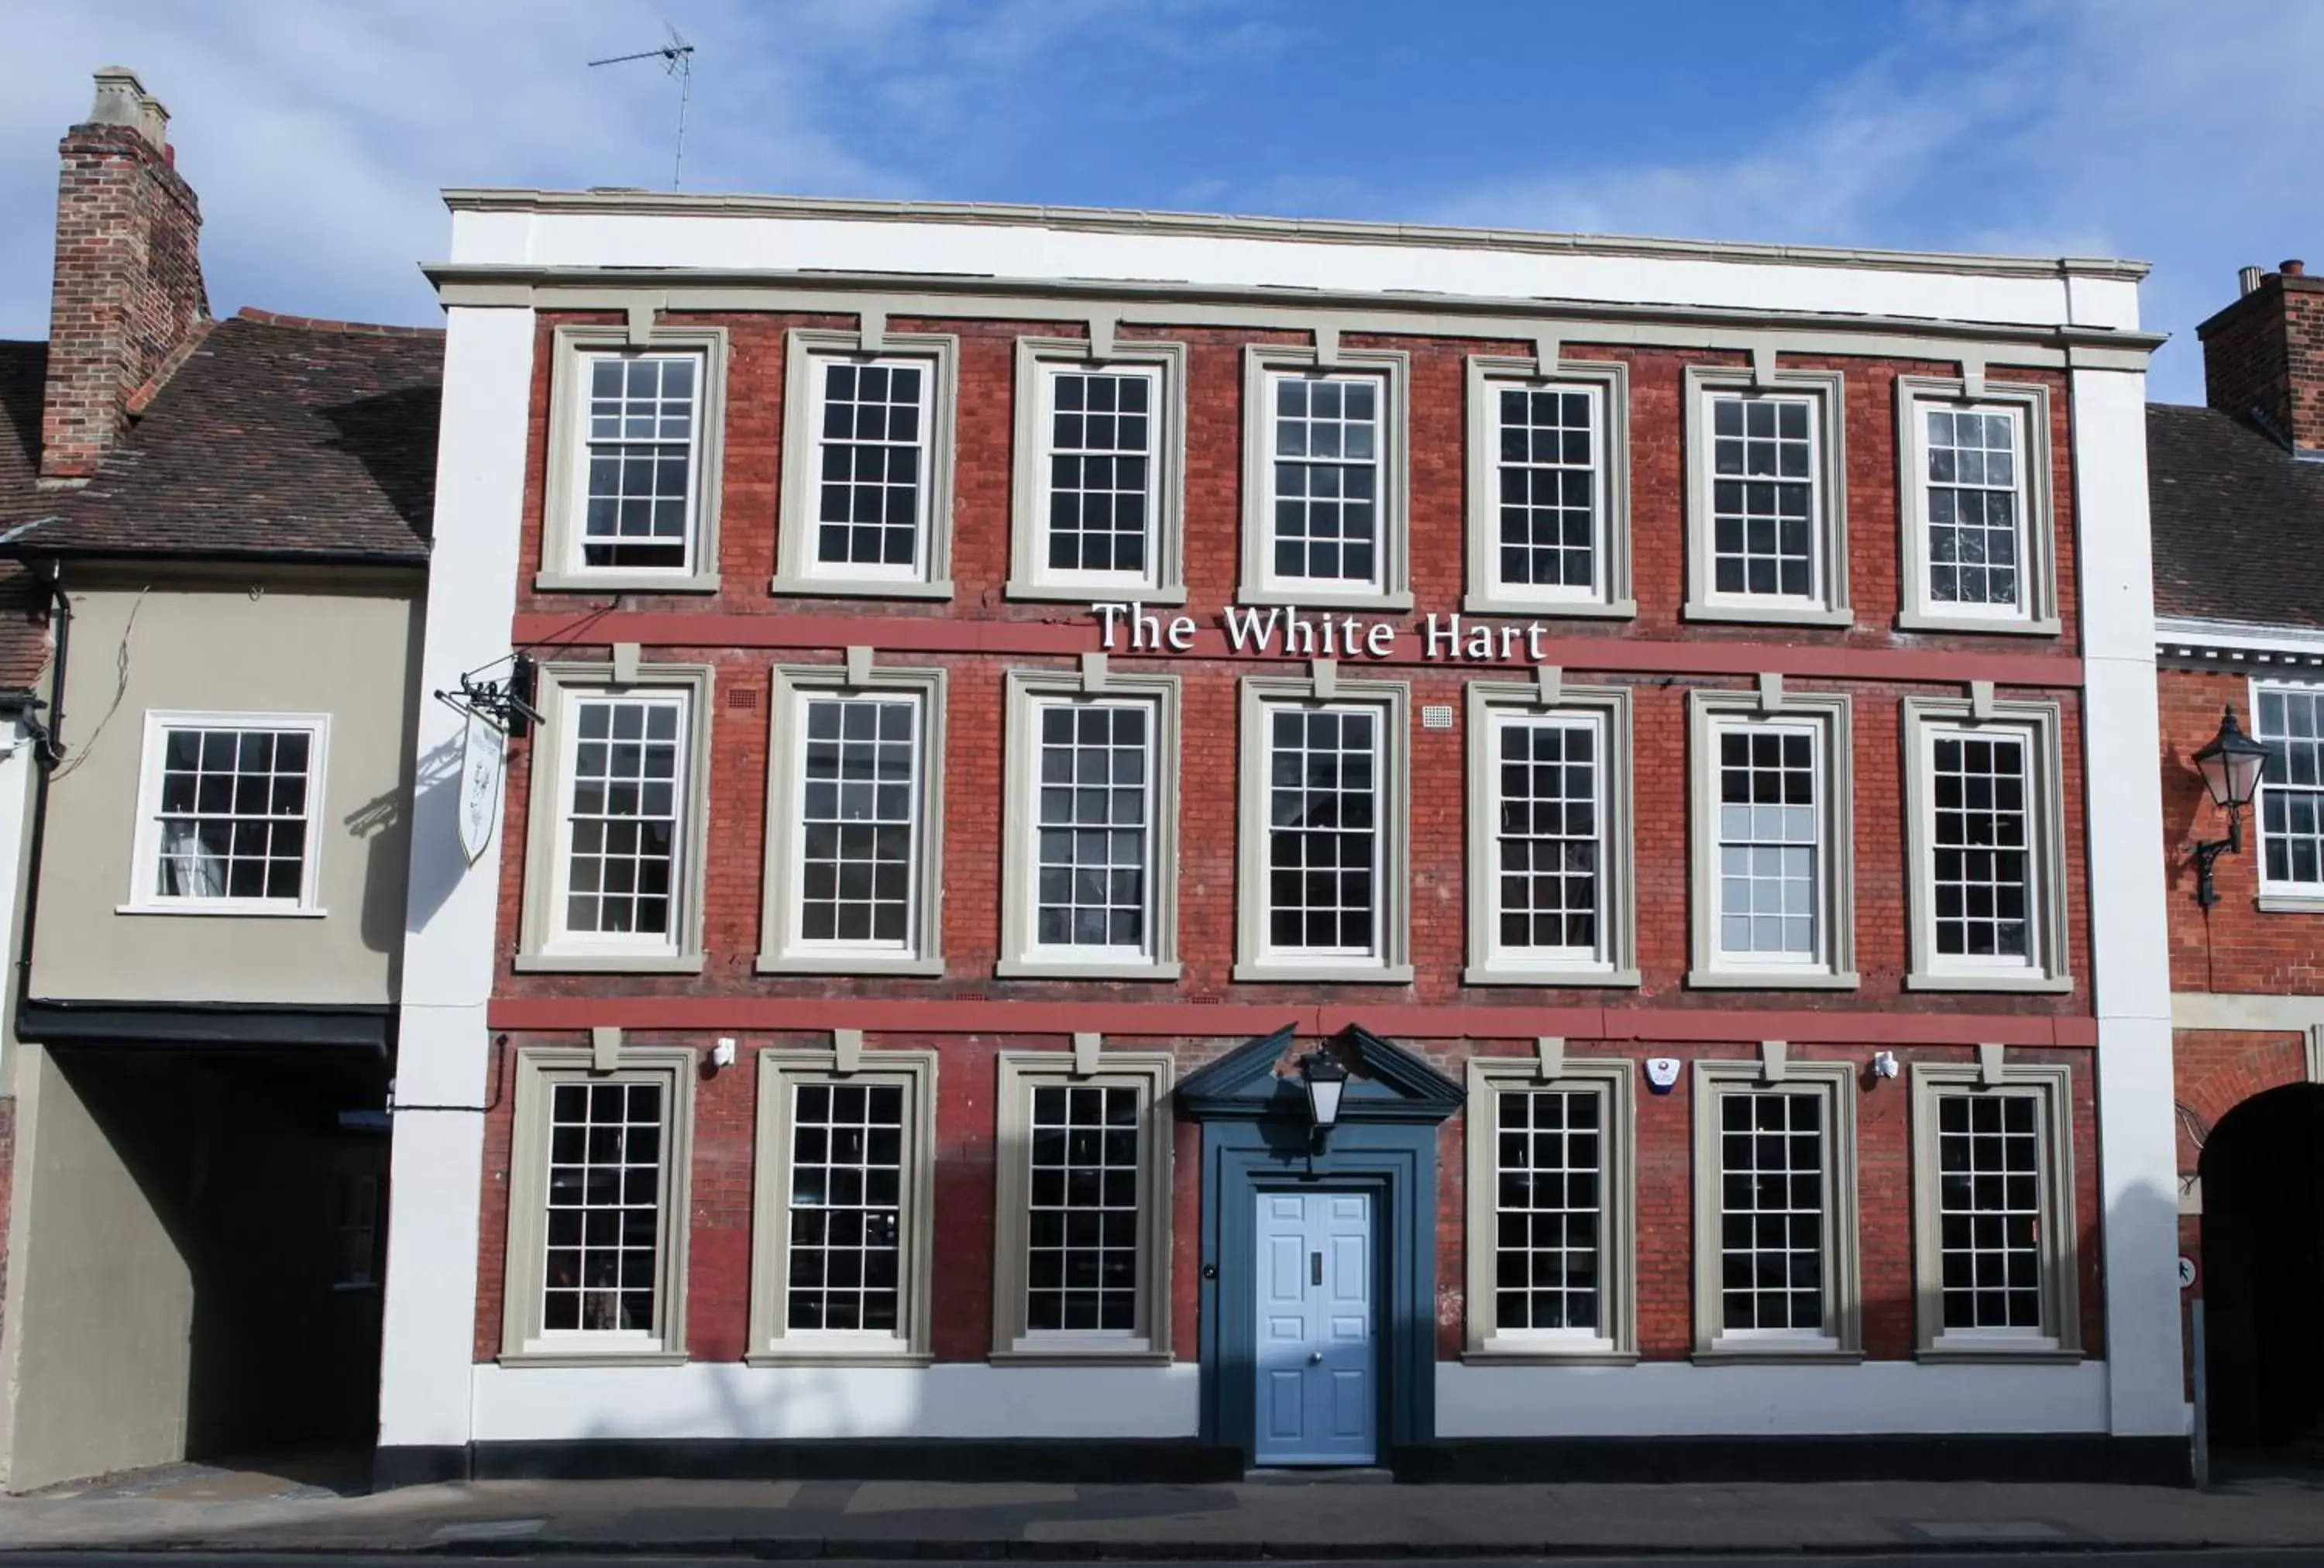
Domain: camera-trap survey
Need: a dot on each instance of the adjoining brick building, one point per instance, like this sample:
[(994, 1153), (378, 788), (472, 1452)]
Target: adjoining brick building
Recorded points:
[(2238, 499), (1029, 699)]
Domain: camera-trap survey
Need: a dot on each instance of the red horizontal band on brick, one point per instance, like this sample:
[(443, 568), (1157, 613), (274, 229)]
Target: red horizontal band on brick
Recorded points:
[(1656, 656), (1396, 1020)]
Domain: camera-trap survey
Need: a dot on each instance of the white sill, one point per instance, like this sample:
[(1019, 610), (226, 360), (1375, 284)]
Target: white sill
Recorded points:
[(1325, 595), (601, 961), (1971, 1343), (1788, 612), (1774, 1345), (246, 907), (1322, 972), (621, 580), (1722, 978), (1041, 966), (808, 960), (1939, 620), (1512, 1348), (867, 1347), (1087, 1345), (863, 587), (1084, 593), (630, 1347), (2022, 980), (1594, 607), (2308, 903), (1573, 974)]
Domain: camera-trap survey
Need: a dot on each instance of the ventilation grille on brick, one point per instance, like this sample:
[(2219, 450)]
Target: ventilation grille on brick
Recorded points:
[(743, 699), (1436, 715)]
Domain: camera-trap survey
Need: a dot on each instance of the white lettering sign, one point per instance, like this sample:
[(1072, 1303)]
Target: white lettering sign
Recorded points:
[(1294, 633)]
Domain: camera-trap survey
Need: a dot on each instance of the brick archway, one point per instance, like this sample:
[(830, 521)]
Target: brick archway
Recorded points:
[(2218, 1070)]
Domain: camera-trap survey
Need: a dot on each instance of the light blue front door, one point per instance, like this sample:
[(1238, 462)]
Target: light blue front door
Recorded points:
[(1316, 1400)]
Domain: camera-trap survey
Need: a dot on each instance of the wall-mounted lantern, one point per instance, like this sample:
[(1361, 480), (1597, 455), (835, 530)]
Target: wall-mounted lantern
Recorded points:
[(1326, 1077), (2230, 766)]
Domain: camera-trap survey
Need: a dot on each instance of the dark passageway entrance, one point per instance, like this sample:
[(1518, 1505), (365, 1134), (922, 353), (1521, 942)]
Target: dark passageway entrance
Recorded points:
[(2263, 1172)]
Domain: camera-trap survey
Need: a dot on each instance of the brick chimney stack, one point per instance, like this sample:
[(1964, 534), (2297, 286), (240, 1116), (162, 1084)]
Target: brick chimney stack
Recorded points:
[(2263, 356), (128, 294)]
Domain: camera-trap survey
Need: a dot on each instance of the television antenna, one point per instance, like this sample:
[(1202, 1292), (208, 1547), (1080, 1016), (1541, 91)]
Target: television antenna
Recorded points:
[(677, 60)]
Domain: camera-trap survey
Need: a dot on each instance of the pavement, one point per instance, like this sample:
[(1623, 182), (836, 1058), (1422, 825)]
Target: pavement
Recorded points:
[(258, 1507)]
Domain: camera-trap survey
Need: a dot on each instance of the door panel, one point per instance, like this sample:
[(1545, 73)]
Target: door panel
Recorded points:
[(1318, 1395)]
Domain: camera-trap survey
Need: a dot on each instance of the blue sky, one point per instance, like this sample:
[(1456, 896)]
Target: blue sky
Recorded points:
[(2181, 132)]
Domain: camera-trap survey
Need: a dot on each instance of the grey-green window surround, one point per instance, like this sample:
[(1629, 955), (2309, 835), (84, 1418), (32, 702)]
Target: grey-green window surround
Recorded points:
[(2060, 1338), (1028, 690), (537, 1070), (1609, 382), (1842, 1286), (779, 1072), (796, 569), (1616, 962), (779, 953), (2039, 725), (1166, 582), (1708, 713), (1491, 1077), (1392, 369), (563, 497), (1392, 963), (2037, 524), (1828, 390), (538, 950), (1150, 1073)]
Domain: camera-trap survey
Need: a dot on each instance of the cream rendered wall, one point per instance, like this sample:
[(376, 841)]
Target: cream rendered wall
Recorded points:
[(278, 644), (115, 1309)]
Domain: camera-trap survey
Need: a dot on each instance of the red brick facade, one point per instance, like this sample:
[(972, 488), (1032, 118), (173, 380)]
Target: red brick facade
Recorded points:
[(1206, 1012)]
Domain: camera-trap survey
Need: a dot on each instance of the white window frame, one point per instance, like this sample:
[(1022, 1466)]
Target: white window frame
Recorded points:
[(2059, 1336), (1841, 1337), (2036, 609), (1825, 392), (1023, 956), (1829, 716), (544, 945), (799, 570), (2037, 728), (1150, 1073), (1390, 588), (786, 951), (1257, 958), (523, 1341), (1607, 385), (563, 533), (1040, 361), (1606, 711), (145, 860), (2276, 897), (1615, 1342), (772, 1342)]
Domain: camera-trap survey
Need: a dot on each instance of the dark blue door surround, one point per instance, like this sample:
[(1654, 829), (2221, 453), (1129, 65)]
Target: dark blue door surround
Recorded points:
[(1256, 1139)]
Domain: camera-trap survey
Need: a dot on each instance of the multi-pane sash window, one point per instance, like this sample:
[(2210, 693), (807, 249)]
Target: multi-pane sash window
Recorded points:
[(623, 819), (1323, 831), (846, 1183), (1765, 497), (1549, 1241), (1772, 1212), (1325, 447), (603, 1236), (1975, 508), (1102, 426), (2291, 725), (1549, 495), (860, 804), (1093, 827), (1548, 836), (1981, 881), (641, 416), (1082, 1258), (1989, 1178), (871, 480), (1771, 850), (229, 809)]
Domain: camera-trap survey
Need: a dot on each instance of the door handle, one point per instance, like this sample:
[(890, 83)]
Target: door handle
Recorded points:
[(1314, 1268), (1315, 1358)]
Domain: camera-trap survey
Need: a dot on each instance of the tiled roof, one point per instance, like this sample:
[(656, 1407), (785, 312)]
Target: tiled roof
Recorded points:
[(24, 631), (2238, 522), (278, 437)]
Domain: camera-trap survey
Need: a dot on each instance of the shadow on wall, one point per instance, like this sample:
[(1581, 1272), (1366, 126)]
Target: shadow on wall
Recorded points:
[(435, 822)]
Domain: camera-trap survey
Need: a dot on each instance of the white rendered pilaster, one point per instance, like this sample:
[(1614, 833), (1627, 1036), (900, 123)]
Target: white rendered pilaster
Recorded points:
[(2130, 956), (443, 1048)]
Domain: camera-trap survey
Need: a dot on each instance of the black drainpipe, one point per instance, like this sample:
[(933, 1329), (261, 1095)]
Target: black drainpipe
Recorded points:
[(48, 750)]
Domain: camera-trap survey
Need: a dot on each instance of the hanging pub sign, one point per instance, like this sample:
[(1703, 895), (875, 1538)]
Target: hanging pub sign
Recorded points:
[(483, 751)]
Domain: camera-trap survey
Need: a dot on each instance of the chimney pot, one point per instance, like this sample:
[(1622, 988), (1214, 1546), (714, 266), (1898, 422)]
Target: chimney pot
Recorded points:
[(2247, 281), (2294, 268)]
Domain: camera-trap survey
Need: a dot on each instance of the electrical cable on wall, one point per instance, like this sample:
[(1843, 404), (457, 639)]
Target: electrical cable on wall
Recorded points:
[(120, 687)]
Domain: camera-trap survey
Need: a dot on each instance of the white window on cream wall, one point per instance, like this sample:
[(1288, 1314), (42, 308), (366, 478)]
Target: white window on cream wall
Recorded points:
[(1100, 472), (1325, 505), (1767, 504), (635, 444), (1978, 550), (227, 812), (867, 467), (1548, 522)]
